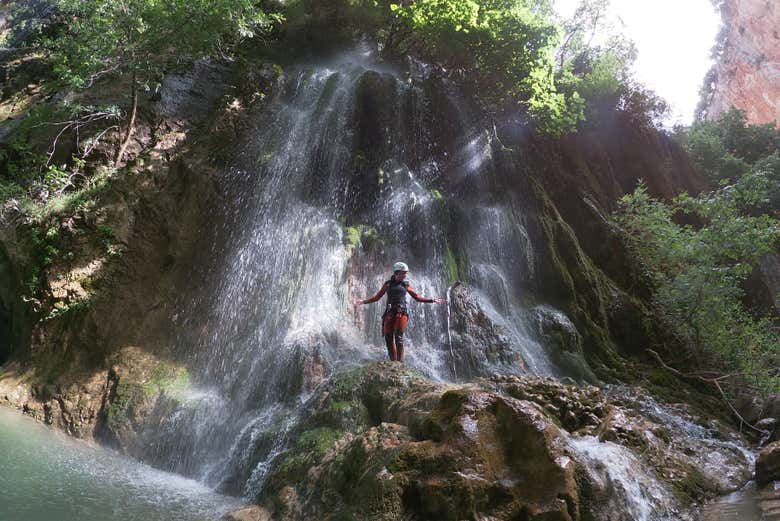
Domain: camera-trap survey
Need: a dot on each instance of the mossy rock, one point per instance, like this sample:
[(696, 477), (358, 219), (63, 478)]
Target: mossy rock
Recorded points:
[(362, 238), (127, 396)]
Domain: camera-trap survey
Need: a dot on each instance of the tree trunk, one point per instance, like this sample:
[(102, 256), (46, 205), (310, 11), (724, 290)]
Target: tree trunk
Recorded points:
[(130, 126)]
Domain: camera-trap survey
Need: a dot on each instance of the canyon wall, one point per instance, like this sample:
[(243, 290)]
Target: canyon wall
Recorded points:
[(747, 72)]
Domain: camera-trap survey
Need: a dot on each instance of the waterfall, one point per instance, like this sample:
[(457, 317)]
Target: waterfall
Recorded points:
[(341, 176), (449, 330), (632, 493)]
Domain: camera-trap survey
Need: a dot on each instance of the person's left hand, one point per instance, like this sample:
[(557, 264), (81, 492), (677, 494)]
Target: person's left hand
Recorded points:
[(440, 300)]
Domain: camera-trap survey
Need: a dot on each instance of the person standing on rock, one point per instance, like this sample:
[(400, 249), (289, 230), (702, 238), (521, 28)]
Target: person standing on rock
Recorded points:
[(396, 313)]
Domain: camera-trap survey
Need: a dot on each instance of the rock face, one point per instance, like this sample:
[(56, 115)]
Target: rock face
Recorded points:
[(747, 74), (251, 513), (768, 464), (478, 342), (381, 442)]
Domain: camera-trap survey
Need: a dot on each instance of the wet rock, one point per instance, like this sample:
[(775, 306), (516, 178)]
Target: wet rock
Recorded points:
[(250, 513), (374, 121), (390, 444), (575, 408), (769, 503), (556, 329), (563, 342), (768, 464), (770, 427), (477, 342), (474, 453)]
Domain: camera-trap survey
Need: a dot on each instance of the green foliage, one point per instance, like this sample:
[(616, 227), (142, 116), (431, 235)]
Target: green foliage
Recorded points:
[(504, 48), (28, 170), (729, 147), (21, 159), (23, 22), (109, 241), (769, 167), (63, 308), (699, 270), (139, 39), (101, 37), (601, 74)]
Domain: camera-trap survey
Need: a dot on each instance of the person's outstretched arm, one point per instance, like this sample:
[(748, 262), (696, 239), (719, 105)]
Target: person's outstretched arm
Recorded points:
[(372, 299), (418, 298)]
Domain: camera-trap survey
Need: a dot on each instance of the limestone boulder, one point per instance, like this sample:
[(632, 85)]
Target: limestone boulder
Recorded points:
[(768, 464), (250, 513)]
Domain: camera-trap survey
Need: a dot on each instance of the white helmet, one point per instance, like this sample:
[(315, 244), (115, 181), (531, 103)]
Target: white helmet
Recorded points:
[(400, 266)]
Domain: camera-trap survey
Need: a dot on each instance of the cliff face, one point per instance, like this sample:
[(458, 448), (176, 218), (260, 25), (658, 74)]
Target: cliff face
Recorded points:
[(747, 74)]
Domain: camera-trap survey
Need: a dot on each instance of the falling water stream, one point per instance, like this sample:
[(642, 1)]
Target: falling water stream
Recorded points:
[(347, 153), (449, 330)]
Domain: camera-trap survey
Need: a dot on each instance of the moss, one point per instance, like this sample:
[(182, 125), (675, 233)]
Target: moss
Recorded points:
[(577, 280), (451, 266), (345, 384), (370, 239), (352, 236), (340, 407), (168, 379), (292, 467), (316, 442), (438, 420), (664, 434), (662, 378), (693, 487), (352, 466), (127, 396), (361, 236), (309, 451), (463, 267)]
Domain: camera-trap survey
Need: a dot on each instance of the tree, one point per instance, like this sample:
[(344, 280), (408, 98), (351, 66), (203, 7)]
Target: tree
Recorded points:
[(137, 39), (580, 29), (728, 148), (699, 271), (600, 73), (504, 48)]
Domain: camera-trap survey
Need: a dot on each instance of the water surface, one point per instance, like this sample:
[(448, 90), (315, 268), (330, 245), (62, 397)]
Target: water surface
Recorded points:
[(748, 504), (47, 476)]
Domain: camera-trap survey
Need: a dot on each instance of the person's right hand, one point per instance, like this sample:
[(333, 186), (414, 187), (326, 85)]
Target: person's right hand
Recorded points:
[(357, 301)]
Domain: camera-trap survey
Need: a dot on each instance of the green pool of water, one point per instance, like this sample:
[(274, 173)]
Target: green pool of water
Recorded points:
[(47, 476)]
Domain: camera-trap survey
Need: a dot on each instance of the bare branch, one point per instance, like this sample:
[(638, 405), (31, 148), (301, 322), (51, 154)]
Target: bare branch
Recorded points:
[(94, 142), (710, 381), (94, 77)]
